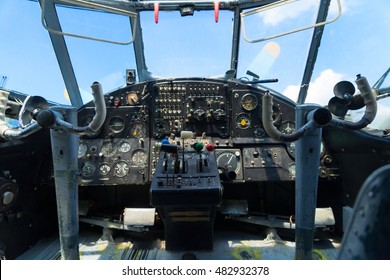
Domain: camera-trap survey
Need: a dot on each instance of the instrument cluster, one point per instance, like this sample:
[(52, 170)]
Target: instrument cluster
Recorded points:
[(226, 113)]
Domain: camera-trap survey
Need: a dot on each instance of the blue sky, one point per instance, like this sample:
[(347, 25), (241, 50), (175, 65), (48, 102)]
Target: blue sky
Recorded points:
[(357, 43)]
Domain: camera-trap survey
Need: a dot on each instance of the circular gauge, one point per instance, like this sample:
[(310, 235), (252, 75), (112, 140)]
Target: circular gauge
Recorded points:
[(258, 132), (132, 98), (116, 124), (82, 150), (108, 149), (124, 147), (243, 121), (137, 130), (121, 168), (139, 157), (219, 114), (249, 101), (287, 127), (88, 169), (229, 161), (199, 114), (104, 169)]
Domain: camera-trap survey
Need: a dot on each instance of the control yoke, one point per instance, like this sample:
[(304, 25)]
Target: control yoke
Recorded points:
[(53, 117), (62, 122), (310, 118)]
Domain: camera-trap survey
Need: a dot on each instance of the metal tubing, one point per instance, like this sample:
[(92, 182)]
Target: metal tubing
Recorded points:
[(307, 165), (64, 149)]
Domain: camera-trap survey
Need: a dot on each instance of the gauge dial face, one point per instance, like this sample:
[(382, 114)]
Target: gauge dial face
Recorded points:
[(249, 101), (121, 168), (104, 169), (116, 124), (82, 150), (258, 132), (137, 130), (108, 149), (243, 121), (132, 98), (139, 157), (124, 147), (229, 161), (287, 127), (88, 169), (219, 114)]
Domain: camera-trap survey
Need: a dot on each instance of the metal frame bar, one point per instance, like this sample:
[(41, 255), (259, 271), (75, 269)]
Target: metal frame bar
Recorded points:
[(313, 51), (139, 49), (235, 41)]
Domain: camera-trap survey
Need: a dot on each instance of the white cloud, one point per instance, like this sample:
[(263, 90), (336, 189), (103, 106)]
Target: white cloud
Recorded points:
[(296, 9), (320, 90), (275, 16)]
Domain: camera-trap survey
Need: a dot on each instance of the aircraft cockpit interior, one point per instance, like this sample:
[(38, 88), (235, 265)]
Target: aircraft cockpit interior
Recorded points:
[(197, 153)]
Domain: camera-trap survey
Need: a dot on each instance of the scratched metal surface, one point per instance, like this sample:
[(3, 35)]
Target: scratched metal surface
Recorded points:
[(228, 245)]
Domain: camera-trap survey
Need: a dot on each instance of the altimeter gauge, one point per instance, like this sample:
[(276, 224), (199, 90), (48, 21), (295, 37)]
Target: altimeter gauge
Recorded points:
[(88, 169), (124, 147), (139, 157), (104, 169), (108, 149), (121, 168)]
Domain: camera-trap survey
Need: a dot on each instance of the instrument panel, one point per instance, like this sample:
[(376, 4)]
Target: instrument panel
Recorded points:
[(224, 113)]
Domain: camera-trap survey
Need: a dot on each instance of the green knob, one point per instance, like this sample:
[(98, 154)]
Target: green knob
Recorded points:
[(198, 146)]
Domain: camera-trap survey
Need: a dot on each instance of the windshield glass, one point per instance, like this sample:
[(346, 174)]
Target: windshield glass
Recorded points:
[(190, 46), (195, 46)]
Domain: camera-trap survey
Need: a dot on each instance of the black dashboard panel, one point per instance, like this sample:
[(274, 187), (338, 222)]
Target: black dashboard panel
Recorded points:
[(224, 113)]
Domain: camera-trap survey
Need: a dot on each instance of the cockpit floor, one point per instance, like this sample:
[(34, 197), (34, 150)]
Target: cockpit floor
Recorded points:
[(228, 245)]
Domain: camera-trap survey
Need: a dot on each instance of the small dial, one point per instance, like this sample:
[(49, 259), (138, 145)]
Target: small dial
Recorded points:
[(124, 147), (287, 127), (243, 121), (139, 157), (88, 169), (121, 168), (219, 114), (249, 101), (82, 150), (199, 114), (132, 98), (116, 124), (230, 161), (137, 130), (108, 149), (104, 169), (258, 132)]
